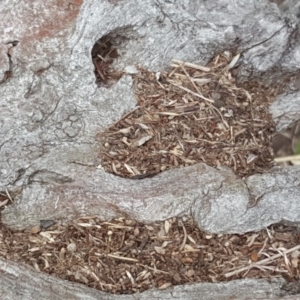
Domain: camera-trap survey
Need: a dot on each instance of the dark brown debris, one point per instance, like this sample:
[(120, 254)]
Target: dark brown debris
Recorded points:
[(124, 257), (103, 55), (192, 114)]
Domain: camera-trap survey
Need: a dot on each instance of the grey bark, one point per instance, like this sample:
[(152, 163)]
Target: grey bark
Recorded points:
[(52, 111)]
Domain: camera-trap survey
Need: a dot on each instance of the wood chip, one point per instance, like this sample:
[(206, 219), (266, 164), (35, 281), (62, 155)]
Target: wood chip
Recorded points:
[(188, 115), (124, 256)]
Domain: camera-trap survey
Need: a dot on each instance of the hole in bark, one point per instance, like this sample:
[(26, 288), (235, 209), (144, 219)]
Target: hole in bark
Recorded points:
[(104, 54)]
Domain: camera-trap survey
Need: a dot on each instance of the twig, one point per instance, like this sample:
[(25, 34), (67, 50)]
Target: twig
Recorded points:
[(176, 62), (122, 257), (8, 195), (263, 247), (266, 268), (188, 76), (252, 240), (261, 262), (3, 202), (191, 92), (287, 158), (185, 236)]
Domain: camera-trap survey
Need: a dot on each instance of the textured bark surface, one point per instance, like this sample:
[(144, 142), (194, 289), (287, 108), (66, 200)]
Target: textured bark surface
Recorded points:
[(20, 282), (218, 200), (52, 110)]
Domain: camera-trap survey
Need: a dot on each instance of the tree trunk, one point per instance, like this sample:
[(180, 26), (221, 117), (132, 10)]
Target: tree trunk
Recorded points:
[(52, 112)]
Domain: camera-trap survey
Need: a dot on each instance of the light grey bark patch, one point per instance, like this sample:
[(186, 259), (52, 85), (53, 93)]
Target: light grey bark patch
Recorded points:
[(290, 7), (286, 110)]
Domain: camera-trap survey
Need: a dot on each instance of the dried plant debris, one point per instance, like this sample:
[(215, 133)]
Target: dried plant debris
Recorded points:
[(103, 55), (188, 115), (123, 256)]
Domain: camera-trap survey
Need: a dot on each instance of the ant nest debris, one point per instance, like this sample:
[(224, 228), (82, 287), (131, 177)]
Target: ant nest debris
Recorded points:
[(188, 115)]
